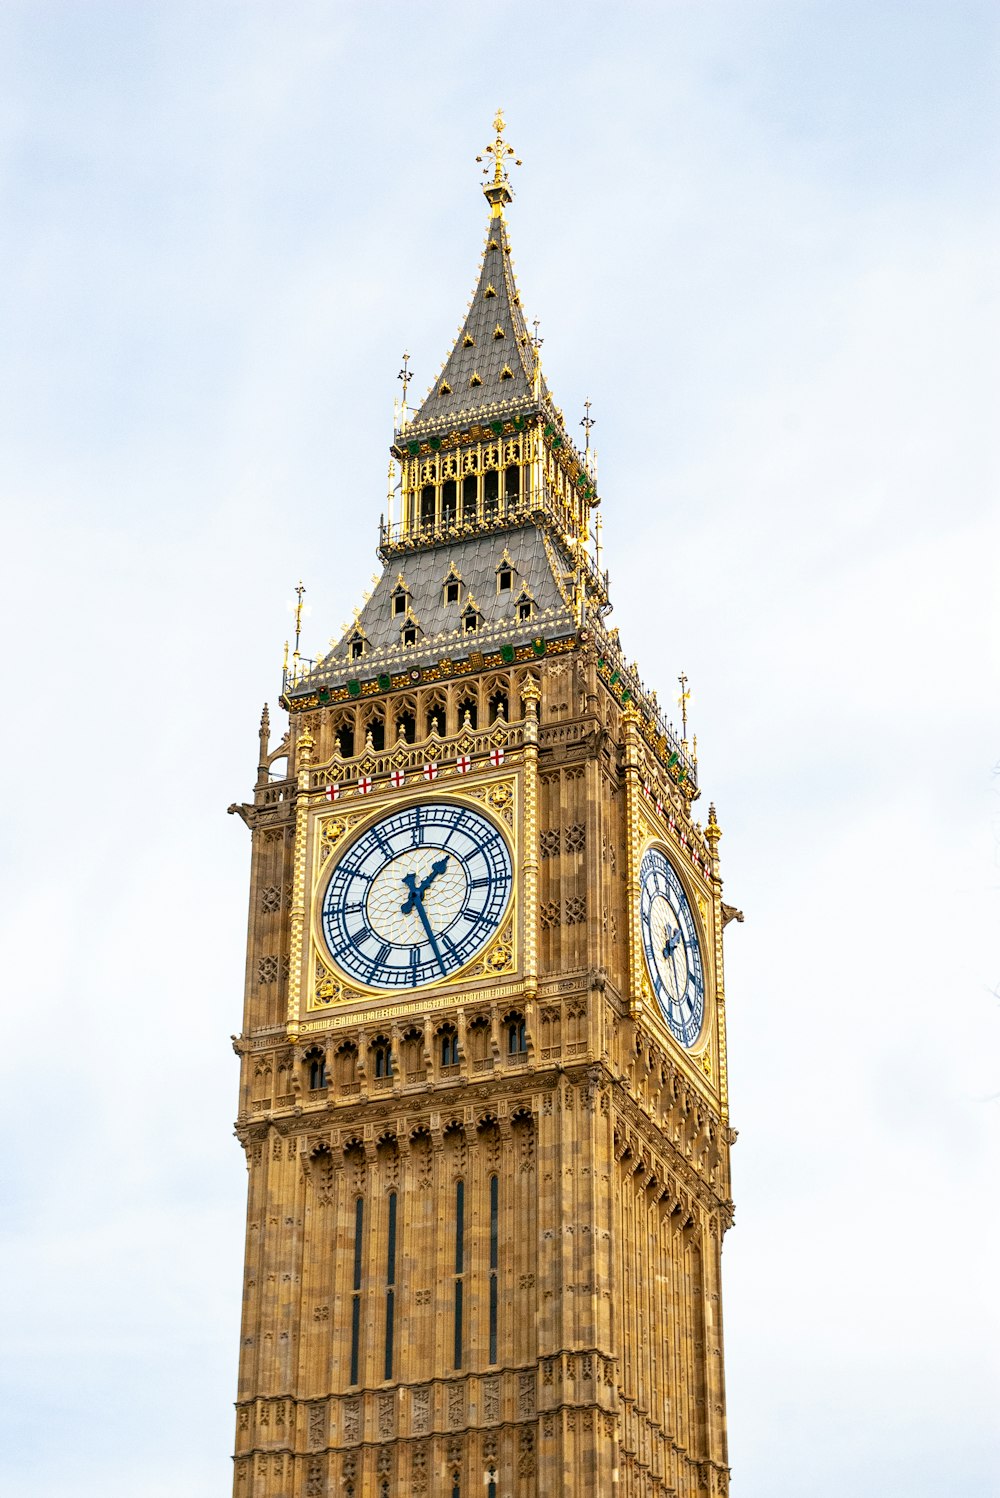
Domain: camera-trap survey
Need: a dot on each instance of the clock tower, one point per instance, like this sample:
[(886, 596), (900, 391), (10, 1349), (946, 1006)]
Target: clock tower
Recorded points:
[(483, 1064)]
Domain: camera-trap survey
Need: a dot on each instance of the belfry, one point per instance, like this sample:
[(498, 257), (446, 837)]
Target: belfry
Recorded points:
[(483, 1057)]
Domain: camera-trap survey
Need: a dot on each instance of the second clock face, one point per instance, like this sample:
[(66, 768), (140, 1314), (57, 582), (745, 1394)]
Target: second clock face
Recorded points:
[(417, 895), (670, 942)]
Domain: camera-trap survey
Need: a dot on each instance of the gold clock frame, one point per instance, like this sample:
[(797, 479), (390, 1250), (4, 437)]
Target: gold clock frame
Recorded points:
[(500, 953), (700, 1051)]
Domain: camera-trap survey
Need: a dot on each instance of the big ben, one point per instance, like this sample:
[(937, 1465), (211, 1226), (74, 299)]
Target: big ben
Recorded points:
[(483, 1058)]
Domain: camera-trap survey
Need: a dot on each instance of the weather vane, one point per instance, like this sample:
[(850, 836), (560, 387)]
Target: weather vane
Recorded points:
[(498, 190), (406, 377), (682, 702), (300, 594), (587, 422)]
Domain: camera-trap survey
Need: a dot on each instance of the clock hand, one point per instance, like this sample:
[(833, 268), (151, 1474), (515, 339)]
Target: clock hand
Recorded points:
[(673, 964), (415, 896), (417, 891), (673, 937), (436, 868)]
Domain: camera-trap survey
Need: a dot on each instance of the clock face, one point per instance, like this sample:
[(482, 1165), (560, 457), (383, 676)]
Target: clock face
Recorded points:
[(417, 895), (670, 941)]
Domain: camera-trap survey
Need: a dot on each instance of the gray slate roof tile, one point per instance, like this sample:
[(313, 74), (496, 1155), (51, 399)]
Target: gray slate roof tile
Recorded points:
[(476, 560), (488, 356)]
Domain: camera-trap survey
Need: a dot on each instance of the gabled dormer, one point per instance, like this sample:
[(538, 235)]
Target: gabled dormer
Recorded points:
[(524, 607), (506, 575), (451, 587), (472, 619), (410, 632), (399, 599), (357, 642)]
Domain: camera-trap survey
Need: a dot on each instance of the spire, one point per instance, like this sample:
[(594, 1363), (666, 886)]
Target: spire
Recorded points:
[(491, 369), (488, 449)]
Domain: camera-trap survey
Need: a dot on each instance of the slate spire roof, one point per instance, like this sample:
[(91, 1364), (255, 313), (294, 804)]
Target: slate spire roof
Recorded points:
[(540, 577), (493, 364)]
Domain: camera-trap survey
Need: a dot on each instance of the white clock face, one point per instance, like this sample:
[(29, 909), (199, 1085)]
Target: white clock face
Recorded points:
[(672, 950), (417, 895)]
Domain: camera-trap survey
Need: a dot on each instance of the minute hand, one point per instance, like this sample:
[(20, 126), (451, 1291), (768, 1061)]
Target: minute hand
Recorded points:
[(673, 963), (417, 901)]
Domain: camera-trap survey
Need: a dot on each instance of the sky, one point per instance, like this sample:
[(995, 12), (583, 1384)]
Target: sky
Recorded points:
[(761, 238)]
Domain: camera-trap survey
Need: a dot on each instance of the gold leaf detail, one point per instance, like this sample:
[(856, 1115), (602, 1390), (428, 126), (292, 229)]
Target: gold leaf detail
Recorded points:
[(499, 958), (332, 832)]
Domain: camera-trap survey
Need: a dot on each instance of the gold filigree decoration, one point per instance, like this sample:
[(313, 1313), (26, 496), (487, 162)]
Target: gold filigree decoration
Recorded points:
[(702, 906), (706, 1063), (331, 833), (500, 796), (499, 957), (326, 989)]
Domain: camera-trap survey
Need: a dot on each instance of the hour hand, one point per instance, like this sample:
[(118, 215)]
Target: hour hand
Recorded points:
[(410, 880), (673, 937), (417, 890)]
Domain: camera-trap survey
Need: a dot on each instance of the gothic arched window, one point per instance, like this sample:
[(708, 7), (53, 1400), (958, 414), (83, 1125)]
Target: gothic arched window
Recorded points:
[(449, 1047), (517, 1035), (346, 1064), (478, 1039), (468, 707)]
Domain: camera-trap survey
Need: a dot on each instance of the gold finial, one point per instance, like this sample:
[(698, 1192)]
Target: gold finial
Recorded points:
[(536, 373), (299, 595), (498, 192)]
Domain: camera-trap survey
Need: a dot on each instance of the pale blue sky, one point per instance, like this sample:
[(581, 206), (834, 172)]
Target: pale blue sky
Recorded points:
[(762, 238)]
